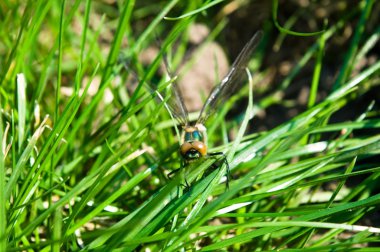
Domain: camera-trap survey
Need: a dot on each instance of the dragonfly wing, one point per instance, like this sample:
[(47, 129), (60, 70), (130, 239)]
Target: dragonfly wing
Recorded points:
[(231, 81), (175, 103)]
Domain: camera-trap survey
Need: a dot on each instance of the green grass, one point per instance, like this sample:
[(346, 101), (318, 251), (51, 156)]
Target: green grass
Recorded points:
[(85, 166)]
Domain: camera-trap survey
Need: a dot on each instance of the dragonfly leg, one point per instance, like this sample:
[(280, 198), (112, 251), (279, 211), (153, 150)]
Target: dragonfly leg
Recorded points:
[(172, 172), (186, 185), (224, 160)]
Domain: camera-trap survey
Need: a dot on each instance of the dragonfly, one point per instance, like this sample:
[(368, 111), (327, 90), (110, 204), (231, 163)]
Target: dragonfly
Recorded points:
[(193, 142)]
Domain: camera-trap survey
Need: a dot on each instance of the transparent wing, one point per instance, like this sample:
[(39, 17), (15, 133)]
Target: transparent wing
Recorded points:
[(231, 81), (175, 103)]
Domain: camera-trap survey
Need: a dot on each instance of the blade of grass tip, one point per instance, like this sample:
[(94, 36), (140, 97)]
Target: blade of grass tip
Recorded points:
[(348, 129), (3, 201), (48, 62), (288, 24), (363, 147), (23, 159), (281, 29), (186, 66), (7, 70), (307, 56), (21, 108), (301, 63), (363, 186), (116, 45), (354, 82), (317, 71), (369, 45), (79, 121), (11, 185), (6, 147), (249, 114), (150, 71), (52, 142), (151, 28), (112, 58), (59, 63), (341, 183), (359, 124), (298, 122), (15, 157), (127, 111), (207, 5), (93, 44), (267, 101), (83, 43), (211, 208), (348, 62)]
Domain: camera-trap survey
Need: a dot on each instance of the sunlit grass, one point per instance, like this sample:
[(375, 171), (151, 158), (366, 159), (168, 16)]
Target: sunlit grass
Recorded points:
[(86, 148)]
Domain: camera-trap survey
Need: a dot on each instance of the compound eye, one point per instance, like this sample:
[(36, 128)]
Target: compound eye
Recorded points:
[(193, 147), (200, 147), (197, 136), (188, 136), (186, 147)]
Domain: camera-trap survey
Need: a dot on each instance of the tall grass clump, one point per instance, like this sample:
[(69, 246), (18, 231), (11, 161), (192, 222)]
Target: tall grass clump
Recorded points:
[(87, 146)]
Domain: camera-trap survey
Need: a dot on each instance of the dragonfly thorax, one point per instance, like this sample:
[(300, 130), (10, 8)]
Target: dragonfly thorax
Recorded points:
[(193, 142)]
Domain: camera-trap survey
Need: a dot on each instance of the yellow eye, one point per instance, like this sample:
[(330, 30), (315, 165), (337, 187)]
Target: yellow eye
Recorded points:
[(193, 150), (185, 147), (200, 147)]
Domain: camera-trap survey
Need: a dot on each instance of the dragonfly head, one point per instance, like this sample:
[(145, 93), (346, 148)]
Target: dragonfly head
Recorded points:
[(193, 150), (193, 146)]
